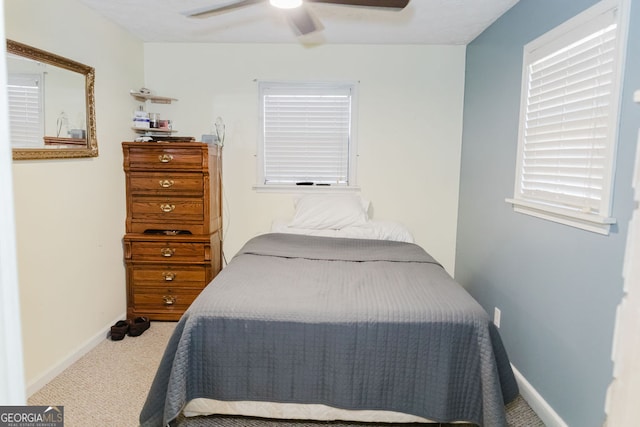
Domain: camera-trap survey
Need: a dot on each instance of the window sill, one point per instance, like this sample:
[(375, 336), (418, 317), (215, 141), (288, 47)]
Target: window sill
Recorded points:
[(287, 188), (590, 222)]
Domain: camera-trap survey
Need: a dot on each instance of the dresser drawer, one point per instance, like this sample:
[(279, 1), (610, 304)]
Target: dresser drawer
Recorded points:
[(168, 251), (172, 209), (165, 158), (169, 275), (166, 183), (163, 299)]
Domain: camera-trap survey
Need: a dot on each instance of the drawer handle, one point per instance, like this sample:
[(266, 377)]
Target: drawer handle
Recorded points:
[(165, 207), (167, 252), (169, 299), (168, 276), (165, 158), (166, 183)]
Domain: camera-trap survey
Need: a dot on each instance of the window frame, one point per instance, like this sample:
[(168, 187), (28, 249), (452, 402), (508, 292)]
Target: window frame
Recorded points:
[(351, 185), (552, 42)]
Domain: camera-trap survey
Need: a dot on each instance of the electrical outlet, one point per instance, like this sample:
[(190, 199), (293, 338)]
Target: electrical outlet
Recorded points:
[(496, 316)]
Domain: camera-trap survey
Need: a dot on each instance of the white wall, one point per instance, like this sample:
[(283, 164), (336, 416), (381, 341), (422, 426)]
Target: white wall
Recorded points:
[(70, 213), (409, 125), (12, 390)]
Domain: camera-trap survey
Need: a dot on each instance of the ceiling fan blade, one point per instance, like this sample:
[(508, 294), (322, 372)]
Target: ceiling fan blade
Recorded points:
[(303, 20), (389, 4), (205, 12)]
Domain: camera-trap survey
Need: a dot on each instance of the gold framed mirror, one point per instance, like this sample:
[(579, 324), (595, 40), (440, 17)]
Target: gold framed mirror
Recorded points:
[(51, 104)]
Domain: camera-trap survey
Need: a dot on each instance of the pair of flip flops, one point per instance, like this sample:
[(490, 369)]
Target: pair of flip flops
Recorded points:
[(133, 328)]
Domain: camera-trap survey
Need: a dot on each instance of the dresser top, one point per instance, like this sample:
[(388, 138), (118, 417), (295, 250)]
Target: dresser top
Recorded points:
[(164, 143)]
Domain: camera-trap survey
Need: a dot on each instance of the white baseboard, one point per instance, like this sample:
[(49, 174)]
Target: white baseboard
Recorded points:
[(540, 406), (83, 349)]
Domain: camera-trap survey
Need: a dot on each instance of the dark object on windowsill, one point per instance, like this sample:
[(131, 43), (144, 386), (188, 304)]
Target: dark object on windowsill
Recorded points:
[(304, 183)]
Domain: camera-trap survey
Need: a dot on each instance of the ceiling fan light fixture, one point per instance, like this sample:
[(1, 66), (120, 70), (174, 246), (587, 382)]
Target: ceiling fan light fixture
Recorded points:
[(286, 4)]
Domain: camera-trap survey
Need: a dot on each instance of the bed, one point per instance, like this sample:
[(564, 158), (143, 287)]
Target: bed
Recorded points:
[(338, 328)]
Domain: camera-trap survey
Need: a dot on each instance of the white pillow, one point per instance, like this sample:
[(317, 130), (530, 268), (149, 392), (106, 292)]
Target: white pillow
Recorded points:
[(374, 229), (330, 212)]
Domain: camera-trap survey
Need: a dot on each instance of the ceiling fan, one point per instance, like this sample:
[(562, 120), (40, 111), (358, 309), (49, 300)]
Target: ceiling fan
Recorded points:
[(298, 13)]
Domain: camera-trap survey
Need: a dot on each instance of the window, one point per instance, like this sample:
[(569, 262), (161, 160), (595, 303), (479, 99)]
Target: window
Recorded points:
[(25, 110), (307, 134), (568, 121)]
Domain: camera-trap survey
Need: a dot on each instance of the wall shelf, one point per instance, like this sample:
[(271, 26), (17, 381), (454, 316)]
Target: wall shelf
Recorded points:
[(152, 98), (154, 131)]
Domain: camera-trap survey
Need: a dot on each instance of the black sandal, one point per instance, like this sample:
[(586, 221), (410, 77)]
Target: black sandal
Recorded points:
[(138, 325), (119, 330)]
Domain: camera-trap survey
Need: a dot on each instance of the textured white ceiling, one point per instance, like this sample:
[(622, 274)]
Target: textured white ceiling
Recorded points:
[(421, 22)]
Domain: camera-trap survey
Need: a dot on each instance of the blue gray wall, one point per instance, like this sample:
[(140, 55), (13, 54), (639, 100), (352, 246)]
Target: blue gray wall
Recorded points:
[(557, 286)]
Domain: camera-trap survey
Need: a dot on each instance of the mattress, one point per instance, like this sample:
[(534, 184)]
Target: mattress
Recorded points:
[(295, 411), (360, 325)]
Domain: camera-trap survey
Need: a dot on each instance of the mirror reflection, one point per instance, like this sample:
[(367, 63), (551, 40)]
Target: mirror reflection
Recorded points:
[(50, 105)]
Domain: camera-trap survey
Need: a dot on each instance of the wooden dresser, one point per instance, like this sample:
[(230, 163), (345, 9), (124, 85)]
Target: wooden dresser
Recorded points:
[(172, 245)]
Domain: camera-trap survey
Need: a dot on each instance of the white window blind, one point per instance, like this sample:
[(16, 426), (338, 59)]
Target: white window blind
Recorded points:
[(25, 110), (306, 134), (569, 120)]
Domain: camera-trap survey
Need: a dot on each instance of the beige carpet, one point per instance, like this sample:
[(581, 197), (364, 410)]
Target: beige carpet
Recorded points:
[(108, 386)]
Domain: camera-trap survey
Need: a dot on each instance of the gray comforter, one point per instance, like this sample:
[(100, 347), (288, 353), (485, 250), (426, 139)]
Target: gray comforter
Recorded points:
[(354, 324)]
